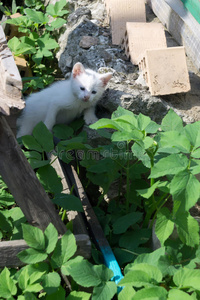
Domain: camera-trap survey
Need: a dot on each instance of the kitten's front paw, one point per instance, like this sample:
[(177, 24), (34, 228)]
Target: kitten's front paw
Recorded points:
[(91, 120)]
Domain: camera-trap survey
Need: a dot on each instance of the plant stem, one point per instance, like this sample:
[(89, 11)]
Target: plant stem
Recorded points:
[(65, 211)]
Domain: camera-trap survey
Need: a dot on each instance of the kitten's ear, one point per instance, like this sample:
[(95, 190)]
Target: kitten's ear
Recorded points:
[(105, 78), (78, 69)]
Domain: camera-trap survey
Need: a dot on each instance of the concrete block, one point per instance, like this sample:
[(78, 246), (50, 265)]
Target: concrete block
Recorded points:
[(122, 11), (142, 36), (165, 71)]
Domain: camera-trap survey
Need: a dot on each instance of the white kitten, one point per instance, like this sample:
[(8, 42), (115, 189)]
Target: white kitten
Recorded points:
[(64, 101)]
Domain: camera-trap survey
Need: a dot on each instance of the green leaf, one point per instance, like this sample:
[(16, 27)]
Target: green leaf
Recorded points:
[(30, 143), (104, 273), (164, 225), (143, 121), (192, 131), (187, 278), (105, 123), (124, 222), (63, 131), (151, 293), (178, 295), (65, 249), (104, 291), (188, 229), (46, 42), (58, 295), (136, 278), (173, 140), (36, 16), (7, 284), (35, 163), (44, 137), (49, 179), (78, 296), (153, 272), (68, 202), (140, 152), (5, 224), (33, 236), (172, 122), (147, 193), (17, 47), (132, 239), (84, 274), (51, 238), (51, 282), (59, 22), (126, 293), (57, 9), (150, 258), (185, 190), (171, 164), (31, 256), (134, 135)]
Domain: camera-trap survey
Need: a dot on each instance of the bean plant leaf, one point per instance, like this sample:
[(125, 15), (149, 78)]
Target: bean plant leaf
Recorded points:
[(63, 131), (187, 278), (152, 271), (65, 249), (44, 137), (171, 165), (36, 16), (32, 256), (49, 179), (105, 123), (173, 140), (192, 131), (126, 136), (30, 143), (172, 122), (33, 236), (164, 225), (157, 293), (185, 190), (136, 278), (84, 274), (68, 202), (51, 282), (51, 238), (188, 229), (126, 293), (78, 295), (124, 222), (60, 294), (105, 290), (57, 9), (150, 258), (147, 193), (178, 294), (7, 285)]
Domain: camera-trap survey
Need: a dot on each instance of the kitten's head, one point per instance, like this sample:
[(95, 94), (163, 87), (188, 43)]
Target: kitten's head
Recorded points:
[(88, 85)]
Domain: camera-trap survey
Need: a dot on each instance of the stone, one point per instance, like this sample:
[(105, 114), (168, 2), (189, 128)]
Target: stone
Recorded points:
[(88, 41)]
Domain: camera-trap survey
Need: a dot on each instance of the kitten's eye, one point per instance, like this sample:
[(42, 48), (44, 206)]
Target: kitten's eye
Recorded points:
[(82, 88), (94, 92)]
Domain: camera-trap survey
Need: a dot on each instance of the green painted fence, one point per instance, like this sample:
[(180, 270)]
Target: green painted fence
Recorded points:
[(194, 8)]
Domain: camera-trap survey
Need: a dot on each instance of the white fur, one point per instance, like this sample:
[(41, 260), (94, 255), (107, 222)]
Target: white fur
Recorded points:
[(64, 101)]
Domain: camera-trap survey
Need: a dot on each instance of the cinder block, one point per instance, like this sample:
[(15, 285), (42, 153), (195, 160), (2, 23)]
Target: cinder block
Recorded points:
[(122, 11), (165, 71), (142, 36)]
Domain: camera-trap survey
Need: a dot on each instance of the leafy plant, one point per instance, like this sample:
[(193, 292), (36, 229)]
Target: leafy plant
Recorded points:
[(38, 43), (49, 259), (171, 157)]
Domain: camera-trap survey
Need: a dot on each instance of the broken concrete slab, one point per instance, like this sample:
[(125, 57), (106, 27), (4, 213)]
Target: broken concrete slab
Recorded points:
[(122, 12), (141, 36), (165, 71)]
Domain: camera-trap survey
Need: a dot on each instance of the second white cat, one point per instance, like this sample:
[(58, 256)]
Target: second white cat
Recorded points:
[(64, 101)]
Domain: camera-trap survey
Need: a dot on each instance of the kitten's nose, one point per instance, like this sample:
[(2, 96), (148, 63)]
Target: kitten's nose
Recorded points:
[(86, 98)]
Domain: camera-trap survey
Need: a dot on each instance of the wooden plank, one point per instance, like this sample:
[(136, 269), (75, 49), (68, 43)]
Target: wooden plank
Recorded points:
[(23, 183), (10, 249)]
